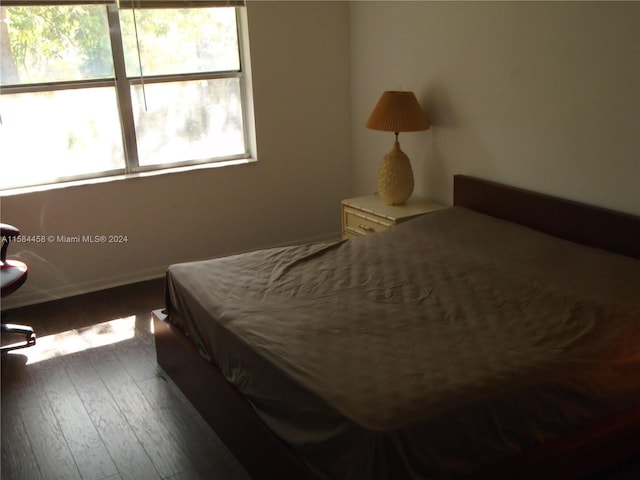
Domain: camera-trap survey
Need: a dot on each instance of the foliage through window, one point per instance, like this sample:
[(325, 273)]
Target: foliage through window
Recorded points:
[(90, 90)]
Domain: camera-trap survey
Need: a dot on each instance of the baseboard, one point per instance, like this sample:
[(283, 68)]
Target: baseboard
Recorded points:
[(20, 299)]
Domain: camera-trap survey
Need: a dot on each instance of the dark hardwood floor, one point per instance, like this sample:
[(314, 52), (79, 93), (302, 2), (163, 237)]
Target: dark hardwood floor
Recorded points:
[(89, 401)]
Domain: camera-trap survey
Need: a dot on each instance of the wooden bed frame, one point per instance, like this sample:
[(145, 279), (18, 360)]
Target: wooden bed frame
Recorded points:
[(596, 448)]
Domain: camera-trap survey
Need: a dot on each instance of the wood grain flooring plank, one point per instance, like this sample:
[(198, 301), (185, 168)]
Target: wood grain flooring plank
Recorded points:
[(82, 437), (165, 453), (128, 454), (139, 358), (79, 370), (189, 476), (17, 459), (208, 453), (48, 446), (13, 367)]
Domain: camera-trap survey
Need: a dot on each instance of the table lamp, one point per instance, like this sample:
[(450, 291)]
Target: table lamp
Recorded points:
[(396, 112)]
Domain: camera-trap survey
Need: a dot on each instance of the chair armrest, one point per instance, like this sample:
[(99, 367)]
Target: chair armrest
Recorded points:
[(8, 231)]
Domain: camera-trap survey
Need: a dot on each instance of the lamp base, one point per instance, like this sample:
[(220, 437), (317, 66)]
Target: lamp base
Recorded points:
[(395, 177)]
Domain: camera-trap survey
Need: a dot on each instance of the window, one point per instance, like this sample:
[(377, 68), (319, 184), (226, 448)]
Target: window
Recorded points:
[(91, 89)]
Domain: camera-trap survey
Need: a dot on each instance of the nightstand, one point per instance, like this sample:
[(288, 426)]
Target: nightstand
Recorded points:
[(369, 214)]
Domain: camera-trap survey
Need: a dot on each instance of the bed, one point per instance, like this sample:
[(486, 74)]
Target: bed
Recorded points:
[(496, 338)]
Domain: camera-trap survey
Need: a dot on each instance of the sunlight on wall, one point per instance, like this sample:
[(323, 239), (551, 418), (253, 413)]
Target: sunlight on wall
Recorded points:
[(81, 339)]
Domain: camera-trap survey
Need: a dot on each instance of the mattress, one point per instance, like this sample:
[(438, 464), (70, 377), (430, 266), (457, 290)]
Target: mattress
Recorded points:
[(425, 351)]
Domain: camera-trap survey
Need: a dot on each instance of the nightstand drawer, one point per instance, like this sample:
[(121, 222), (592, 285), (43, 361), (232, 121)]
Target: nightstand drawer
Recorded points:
[(362, 216), (356, 223)]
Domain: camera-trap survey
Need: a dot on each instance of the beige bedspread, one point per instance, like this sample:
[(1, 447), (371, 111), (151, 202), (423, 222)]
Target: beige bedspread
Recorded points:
[(436, 314)]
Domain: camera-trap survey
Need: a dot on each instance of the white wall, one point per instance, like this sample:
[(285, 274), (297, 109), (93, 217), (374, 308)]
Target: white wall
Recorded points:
[(300, 64), (542, 95)]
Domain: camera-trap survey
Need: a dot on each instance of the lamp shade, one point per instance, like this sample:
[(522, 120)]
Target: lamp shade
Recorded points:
[(397, 112)]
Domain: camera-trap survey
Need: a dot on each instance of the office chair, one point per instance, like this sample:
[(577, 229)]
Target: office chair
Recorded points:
[(13, 274)]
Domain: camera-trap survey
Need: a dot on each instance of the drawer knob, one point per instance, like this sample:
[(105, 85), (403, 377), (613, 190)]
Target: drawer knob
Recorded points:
[(366, 228)]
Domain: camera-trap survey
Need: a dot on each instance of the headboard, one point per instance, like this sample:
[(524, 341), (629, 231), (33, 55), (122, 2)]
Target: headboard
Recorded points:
[(578, 222)]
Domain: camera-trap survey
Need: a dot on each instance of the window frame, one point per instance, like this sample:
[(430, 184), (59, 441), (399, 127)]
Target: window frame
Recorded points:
[(122, 84)]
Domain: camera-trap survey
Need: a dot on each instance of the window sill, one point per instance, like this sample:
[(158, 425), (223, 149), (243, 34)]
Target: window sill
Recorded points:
[(120, 177)]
